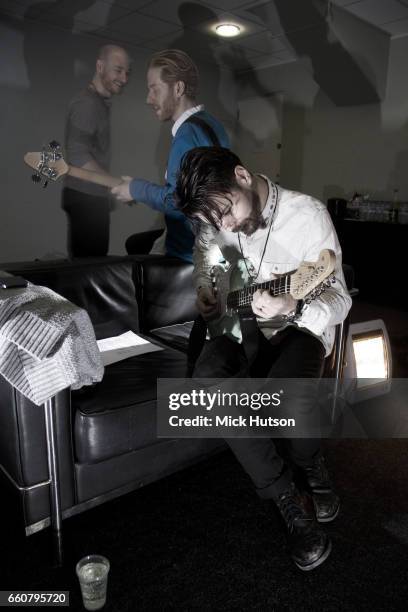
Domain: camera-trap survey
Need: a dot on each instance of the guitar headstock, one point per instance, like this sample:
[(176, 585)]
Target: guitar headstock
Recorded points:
[(48, 163), (312, 276)]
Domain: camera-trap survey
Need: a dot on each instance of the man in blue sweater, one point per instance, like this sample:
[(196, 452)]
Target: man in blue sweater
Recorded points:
[(172, 82)]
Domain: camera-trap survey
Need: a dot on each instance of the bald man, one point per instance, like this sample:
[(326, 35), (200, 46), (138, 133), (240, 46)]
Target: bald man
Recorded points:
[(87, 145)]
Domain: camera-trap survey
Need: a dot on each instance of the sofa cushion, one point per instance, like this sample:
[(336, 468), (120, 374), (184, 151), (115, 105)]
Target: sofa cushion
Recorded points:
[(165, 292), (103, 286), (118, 415)]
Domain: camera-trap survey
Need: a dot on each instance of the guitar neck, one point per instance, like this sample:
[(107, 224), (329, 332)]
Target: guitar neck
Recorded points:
[(243, 297), (94, 177)]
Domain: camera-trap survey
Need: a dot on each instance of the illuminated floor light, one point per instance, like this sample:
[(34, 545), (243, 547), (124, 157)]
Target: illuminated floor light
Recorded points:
[(368, 360), (371, 356)]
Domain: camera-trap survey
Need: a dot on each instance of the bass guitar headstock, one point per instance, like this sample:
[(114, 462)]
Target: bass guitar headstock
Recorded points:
[(49, 164)]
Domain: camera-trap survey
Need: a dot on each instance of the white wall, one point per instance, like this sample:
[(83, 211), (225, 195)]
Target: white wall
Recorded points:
[(41, 69)]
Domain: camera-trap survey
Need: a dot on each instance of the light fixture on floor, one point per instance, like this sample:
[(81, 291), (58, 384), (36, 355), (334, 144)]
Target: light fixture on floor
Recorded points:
[(368, 359), (228, 30)]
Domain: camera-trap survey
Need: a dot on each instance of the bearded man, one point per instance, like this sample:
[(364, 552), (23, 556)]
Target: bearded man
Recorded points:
[(87, 145), (271, 230), (172, 84)]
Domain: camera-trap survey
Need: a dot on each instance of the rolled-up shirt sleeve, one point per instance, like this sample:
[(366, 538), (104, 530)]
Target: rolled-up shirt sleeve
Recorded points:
[(161, 197), (333, 305), (206, 254)]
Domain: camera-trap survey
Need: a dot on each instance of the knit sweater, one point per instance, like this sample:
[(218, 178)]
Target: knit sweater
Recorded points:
[(46, 343)]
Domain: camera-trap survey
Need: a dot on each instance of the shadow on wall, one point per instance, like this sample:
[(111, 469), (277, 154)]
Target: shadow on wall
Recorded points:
[(55, 60), (334, 68), (398, 179), (329, 134), (47, 63), (215, 52)]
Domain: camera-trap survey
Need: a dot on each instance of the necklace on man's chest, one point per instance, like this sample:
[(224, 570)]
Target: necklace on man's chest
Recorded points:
[(272, 212)]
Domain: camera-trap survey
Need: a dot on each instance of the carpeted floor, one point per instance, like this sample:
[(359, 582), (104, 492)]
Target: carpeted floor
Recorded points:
[(202, 540)]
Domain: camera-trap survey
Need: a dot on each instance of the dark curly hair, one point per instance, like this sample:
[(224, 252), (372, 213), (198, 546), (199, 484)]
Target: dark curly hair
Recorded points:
[(206, 173)]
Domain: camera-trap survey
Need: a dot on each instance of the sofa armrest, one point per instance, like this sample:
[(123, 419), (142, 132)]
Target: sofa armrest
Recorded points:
[(23, 450), (142, 242)]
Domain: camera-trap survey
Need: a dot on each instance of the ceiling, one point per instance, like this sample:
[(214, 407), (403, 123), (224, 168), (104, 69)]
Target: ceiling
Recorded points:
[(158, 24)]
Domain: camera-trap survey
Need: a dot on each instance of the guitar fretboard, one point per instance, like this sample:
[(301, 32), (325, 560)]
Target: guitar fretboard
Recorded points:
[(242, 298)]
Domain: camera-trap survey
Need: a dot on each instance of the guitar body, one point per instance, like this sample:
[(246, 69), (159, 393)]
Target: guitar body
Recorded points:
[(227, 279), (235, 288)]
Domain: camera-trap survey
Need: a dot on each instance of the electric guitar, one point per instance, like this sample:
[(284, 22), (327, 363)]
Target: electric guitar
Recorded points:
[(234, 290), (50, 165)]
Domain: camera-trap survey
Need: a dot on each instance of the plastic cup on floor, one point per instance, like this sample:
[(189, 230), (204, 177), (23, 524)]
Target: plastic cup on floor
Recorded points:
[(92, 572)]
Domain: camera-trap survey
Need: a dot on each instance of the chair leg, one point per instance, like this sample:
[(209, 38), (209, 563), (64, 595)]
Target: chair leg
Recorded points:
[(55, 500), (338, 370)]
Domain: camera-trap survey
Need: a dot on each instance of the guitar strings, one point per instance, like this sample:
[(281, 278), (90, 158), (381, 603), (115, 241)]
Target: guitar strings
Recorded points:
[(242, 297)]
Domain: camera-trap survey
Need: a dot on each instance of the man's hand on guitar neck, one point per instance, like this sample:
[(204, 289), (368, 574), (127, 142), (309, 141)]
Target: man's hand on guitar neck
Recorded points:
[(207, 303), (266, 306), (122, 192)]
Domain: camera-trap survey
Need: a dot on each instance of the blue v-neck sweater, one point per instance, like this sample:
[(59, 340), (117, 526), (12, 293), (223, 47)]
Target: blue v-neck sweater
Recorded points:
[(180, 238)]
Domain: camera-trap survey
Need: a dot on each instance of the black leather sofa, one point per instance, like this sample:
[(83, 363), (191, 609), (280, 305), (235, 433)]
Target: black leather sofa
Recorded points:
[(106, 434)]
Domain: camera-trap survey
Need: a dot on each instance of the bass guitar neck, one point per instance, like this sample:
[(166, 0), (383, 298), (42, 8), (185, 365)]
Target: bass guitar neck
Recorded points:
[(93, 177)]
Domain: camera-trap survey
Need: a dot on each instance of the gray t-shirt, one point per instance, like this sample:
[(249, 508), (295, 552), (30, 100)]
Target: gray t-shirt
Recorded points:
[(87, 137)]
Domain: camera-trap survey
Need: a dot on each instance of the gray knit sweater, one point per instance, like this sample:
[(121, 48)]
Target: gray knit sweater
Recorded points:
[(46, 343)]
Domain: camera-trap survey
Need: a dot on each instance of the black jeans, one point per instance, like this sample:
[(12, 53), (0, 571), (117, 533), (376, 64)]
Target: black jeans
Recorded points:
[(88, 223), (291, 354)]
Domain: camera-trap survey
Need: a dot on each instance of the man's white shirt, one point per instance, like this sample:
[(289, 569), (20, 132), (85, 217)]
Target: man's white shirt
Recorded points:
[(301, 229)]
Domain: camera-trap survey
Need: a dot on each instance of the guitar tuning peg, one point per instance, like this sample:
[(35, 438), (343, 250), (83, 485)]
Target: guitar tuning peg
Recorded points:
[(36, 178), (45, 184), (54, 144), (333, 279)]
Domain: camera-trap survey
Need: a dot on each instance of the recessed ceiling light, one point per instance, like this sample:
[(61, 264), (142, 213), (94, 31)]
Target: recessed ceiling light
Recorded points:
[(228, 30)]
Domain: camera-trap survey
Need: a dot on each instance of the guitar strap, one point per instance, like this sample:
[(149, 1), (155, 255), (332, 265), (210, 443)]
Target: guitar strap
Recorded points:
[(250, 335), (195, 343), (207, 129)]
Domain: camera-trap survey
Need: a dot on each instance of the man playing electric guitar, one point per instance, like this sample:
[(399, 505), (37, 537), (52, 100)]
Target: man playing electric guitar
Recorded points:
[(271, 230)]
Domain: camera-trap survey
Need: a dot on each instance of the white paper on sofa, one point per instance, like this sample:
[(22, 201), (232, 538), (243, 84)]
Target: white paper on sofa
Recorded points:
[(126, 345)]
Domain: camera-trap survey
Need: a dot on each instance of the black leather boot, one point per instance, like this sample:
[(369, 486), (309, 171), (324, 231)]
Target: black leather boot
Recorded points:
[(309, 545), (325, 499)]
